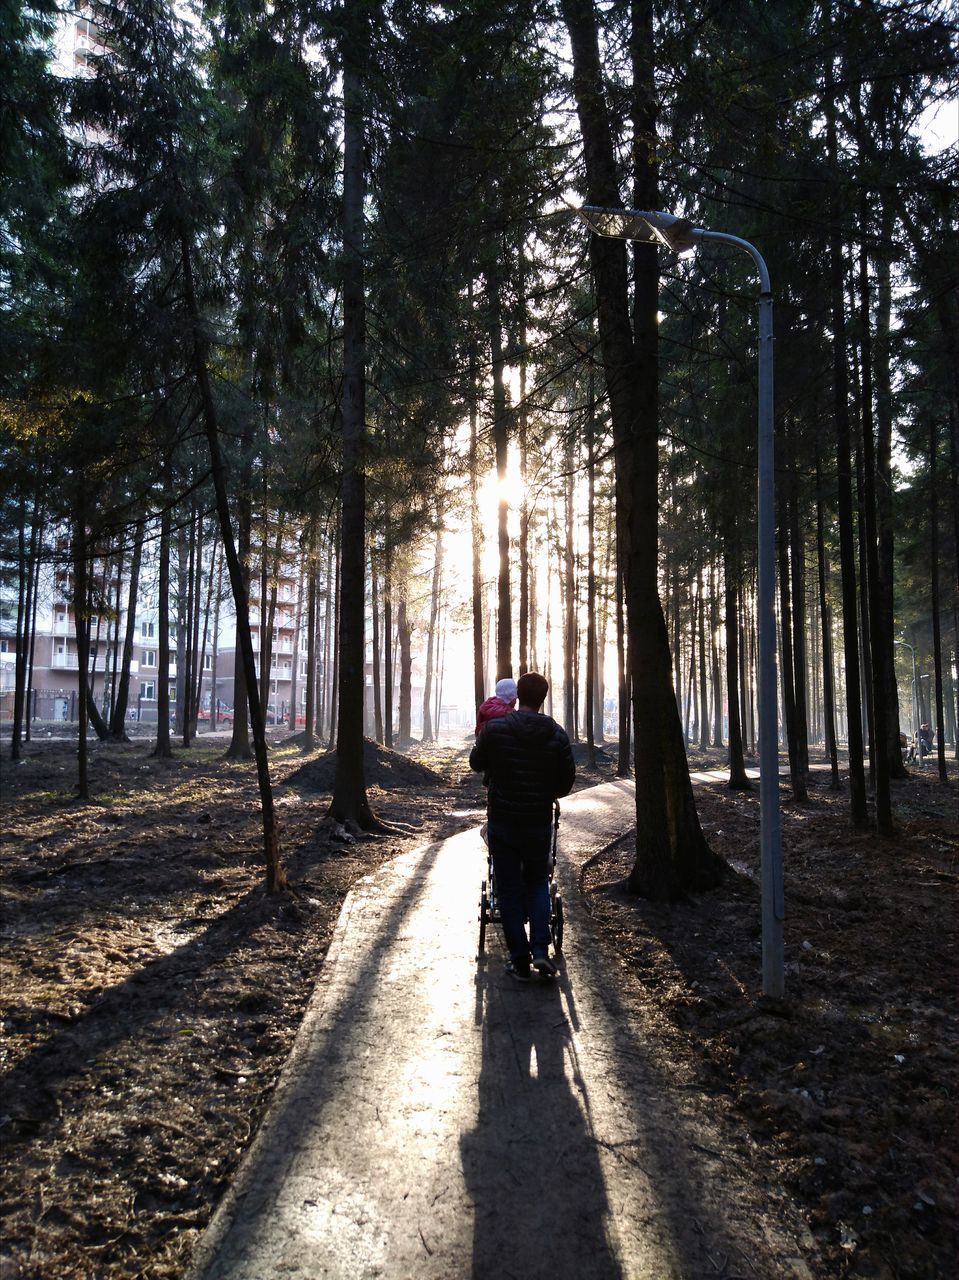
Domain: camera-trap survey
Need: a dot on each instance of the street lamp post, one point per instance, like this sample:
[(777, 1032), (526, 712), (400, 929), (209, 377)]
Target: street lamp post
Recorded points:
[(680, 235)]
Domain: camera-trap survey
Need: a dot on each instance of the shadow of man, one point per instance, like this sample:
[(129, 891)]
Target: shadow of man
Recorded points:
[(530, 1164)]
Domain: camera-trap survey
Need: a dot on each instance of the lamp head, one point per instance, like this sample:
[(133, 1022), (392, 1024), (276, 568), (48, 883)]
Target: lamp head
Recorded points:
[(666, 229)]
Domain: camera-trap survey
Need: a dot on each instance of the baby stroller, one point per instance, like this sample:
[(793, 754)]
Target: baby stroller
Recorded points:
[(489, 907)]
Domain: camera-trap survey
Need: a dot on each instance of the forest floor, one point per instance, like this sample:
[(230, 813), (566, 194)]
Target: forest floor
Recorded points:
[(151, 992)]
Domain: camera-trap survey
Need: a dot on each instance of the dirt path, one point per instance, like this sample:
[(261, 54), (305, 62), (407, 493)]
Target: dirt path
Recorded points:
[(436, 1119)]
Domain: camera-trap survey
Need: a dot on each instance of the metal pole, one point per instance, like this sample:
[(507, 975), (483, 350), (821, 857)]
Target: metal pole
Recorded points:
[(678, 235), (770, 835)]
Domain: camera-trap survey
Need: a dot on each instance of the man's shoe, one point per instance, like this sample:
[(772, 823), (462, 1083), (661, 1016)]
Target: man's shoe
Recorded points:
[(542, 964), (517, 970)]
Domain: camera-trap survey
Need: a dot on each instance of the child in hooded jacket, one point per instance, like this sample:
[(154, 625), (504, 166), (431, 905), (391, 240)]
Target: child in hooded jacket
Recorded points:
[(501, 704)]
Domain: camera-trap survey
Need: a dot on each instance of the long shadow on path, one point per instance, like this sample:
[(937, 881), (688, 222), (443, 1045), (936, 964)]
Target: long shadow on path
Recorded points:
[(437, 1120), (530, 1163)]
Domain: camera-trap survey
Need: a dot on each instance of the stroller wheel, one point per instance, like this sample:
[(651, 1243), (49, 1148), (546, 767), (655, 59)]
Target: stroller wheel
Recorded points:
[(557, 923)]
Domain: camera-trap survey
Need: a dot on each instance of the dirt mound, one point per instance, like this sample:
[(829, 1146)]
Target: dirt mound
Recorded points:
[(603, 754), (388, 769)]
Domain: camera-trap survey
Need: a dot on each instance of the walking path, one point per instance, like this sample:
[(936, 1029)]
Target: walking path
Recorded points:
[(436, 1119)]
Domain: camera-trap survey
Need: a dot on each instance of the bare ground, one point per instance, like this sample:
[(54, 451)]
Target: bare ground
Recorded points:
[(151, 992), (850, 1084)]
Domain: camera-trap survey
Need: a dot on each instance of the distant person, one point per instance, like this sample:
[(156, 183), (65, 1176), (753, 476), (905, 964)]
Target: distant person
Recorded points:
[(529, 763), (501, 704), (925, 739)]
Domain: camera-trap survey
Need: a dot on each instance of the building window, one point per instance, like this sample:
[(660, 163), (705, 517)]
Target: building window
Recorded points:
[(148, 630), (173, 693), (149, 657), (208, 662), (148, 690)]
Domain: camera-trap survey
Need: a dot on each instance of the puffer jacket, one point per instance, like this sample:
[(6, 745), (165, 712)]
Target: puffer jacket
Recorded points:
[(529, 762)]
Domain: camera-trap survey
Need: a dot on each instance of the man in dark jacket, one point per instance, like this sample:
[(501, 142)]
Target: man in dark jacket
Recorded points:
[(529, 762)]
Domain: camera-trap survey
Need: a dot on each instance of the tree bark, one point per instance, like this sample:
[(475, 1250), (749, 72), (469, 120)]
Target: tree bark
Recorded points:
[(936, 625), (377, 665), (312, 572), (570, 635), (787, 666), (825, 622), (349, 803), (879, 643), (672, 856), (388, 636), (476, 533), (163, 749), (504, 637), (589, 710), (717, 684), (118, 719), (404, 731), (80, 623), (429, 733), (738, 779), (847, 550), (275, 875)]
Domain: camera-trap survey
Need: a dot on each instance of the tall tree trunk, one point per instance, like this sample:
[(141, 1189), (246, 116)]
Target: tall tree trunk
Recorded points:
[(738, 779), (570, 630), (349, 803), (825, 621), (524, 511), (312, 573), (25, 611), (672, 856), (429, 734), (240, 747), (599, 728), (865, 631), (30, 707), (184, 624), (787, 666), (476, 534), (885, 520), (388, 635), (218, 600), (504, 637), (879, 643), (591, 579), (797, 565), (81, 626), (118, 718), (275, 875), (336, 587), (271, 576), (703, 685), (934, 570), (847, 550), (377, 666), (297, 628), (163, 749), (404, 726), (717, 685)]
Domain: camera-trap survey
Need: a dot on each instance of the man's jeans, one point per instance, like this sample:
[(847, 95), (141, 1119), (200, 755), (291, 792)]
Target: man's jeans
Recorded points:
[(520, 853)]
